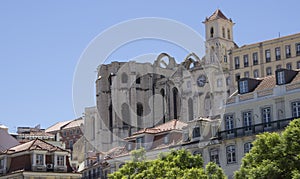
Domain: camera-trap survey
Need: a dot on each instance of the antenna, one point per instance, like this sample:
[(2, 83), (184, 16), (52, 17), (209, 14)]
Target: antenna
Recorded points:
[(278, 34)]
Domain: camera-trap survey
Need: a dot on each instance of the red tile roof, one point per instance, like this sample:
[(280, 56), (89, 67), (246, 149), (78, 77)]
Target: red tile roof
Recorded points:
[(217, 15), (57, 126), (36, 144)]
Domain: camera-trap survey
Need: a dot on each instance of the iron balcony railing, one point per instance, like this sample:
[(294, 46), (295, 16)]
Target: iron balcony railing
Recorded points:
[(254, 129)]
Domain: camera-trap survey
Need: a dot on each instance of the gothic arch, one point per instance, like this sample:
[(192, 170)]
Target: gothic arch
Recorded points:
[(190, 109), (163, 63)]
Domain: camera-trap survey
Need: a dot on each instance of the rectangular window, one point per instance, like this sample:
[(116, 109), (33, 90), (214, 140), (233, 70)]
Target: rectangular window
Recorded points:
[(287, 51), (289, 66), (296, 109), (1, 163), (237, 62), (60, 160), (39, 159), (298, 64), (255, 73), (277, 53), (230, 153), (214, 156), (297, 49), (255, 58), (229, 123), (247, 116), (196, 132), (246, 74), (268, 55), (280, 78), (266, 115), (139, 142), (243, 86), (225, 58), (166, 139), (71, 144), (247, 147), (269, 71), (246, 61)]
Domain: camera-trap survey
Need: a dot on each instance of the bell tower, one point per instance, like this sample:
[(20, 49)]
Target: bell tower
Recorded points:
[(219, 37)]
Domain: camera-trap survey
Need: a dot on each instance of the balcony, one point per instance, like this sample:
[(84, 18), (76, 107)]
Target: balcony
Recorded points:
[(254, 129)]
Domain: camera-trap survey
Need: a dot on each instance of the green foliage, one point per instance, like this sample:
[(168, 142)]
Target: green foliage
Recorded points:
[(175, 164), (273, 155)]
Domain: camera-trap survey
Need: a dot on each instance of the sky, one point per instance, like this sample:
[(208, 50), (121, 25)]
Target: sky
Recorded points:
[(41, 43)]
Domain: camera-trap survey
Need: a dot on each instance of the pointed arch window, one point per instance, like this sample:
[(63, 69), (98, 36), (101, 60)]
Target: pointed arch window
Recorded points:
[(139, 112), (228, 34), (191, 110), (211, 32), (223, 32), (175, 102), (162, 93)]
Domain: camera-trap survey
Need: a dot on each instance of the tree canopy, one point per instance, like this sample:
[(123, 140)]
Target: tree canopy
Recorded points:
[(175, 164), (274, 155)]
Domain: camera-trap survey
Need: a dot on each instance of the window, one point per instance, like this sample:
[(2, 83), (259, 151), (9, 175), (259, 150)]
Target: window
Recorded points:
[(228, 81), (278, 67), (297, 49), (289, 66), (246, 61), (71, 132), (223, 32), (280, 78), (196, 132), (255, 58), (166, 139), (1, 163), (269, 71), (277, 53), (39, 160), (139, 142), (243, 86), (124, 78), (211, 32), (225, 58), (139, 112), (237, 62), (230, 153), (129, 146), (266, 115), (268, 55), (298, 64), (246, 74), (191, 109), (138, 80), (237, 77), (287, 51), (247, 116), (228, 34), (175, 102), (255, 73), (64, 133), (296, 109), (214, 156), (60, 160), (229, 123), (78, 131), (247, 147), (71, 144)]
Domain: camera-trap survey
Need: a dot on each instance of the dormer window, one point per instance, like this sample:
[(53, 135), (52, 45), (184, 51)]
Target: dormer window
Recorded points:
[(2, 163), (39, 160), (166, 139), (243, 86), (60, 160), (139, 142), (280, 78), (196, 132)]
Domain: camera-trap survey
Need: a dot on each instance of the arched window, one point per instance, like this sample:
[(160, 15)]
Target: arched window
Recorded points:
[(223, 32), (125, 115), (139, 112), (211, 32), (162, 93), (138, 79), (110, 125), (191, 109), (175, 102), (124, 78), (228, 34)]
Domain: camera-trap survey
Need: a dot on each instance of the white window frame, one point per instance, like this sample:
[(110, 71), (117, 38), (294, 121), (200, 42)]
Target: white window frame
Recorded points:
[(39, 159), (269, 71), (280, 78), (246, 60), (266, 116), (268, 55), (214, 155), (60, 160), (243, 86), (229, 123), (237, 62), (231, 154), (277, 53), (247, 147), (256, 73), (247, 119), (255, 58), (296, 109), (288, 51)]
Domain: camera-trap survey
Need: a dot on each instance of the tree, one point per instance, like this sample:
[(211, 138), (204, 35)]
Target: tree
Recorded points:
[(175, 164), (274, 155)]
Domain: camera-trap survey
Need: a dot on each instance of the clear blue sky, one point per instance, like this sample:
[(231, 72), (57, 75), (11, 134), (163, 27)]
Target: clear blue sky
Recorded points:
[(41, 42)]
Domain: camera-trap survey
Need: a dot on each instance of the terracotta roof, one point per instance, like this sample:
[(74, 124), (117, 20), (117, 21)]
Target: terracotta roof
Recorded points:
[(296, 78), (217, 15), (75, 123), (6, 141), (266, 83), (171, 125), (36, 144), (57, 126)]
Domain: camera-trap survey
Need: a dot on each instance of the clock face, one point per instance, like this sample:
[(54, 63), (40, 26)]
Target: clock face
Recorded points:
[(201, 81)]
